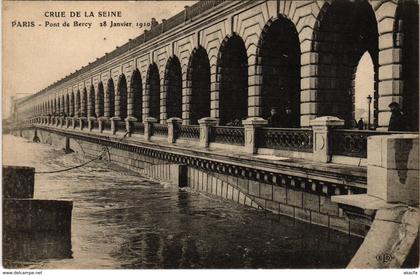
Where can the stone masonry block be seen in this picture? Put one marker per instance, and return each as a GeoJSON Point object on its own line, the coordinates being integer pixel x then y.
{"type": "Point", "coordinates": [302, 214]}
{"type": "Point", "coordinates": [339, 224]}
{"type": "Point", "coordinates": [318, 218]}
{"type": "Point", "coordinates": [266, 191]}
{"type": "Point", "coordinates": [287, 210]}
{"type": "Point", "coordinates": [272, 205]}
{"type": "Point", "coordinates": [311, 201]}
{"type": "Point", "coordinates": [243, 185]}
{"type": "Point", "coordinates": [279, 194]}
{"type": "Point", "coordinates": [294, 197]}
{"type": "Point", "coordinates": [327, 206]}
{"type": "Point", "coordinates": [254, 188]}
{"type": "Point", "coordinates": [394, 151]}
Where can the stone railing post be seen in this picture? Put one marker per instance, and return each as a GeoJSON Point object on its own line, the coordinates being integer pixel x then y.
{"type": "Point", "coordinates": [205, 127]}
{"type": "Point", "coordinates": [91, 120]}
{"type": "Point", "coordinates": [68, 122]}
{"type": "Point", "coordinates": [129, 124]}
{"type": "Point", "coordinates": [83, 122]}
{"type": "Point", "coordinates": [61, 121]}
{"type": "Point", "coordinates": [114, 127]}
{"type": "Point", "coordinates": [251, 126]}
{"type": "Point", "coordinates": [393, 168]}
{"type": "Point", "coordinates": [100, 123]}
{"type": "Point", "coordinates": [148, 127]}
{"type": "Point", "coordinates": [322, 127]}
{"type": "Point", "coordinates": [173, 125]}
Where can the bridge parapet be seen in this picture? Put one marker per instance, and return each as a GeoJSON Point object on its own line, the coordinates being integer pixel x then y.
{"type": "Point", "coordinates": [325, 142]}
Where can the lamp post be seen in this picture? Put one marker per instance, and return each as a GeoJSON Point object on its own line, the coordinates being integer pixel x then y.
{"type": "Point", "coordinates": [369, 99]}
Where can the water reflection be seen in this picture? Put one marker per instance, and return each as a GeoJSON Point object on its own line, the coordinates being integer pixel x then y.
{"type": "Point", "coordinates": [121, 220]}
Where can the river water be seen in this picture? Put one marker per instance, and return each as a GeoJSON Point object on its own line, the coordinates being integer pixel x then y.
{"type": "Point", "coordinates": [121, 220]}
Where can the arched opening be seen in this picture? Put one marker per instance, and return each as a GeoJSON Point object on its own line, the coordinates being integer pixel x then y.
{"type": "Point", "coordinates": [84, 104]}
{"type": "Point", "coordinates": [347, 30]}
{"type": "Point", "coordinates": [67, 110]}
{"type": "Point", "coordinates": [406, 36]}
{"type": "Point", "coordinates": [199, 77]}
{"type": "Point", "coordinates": [110, 99]}
{"type": "Point", "coordinates": [72, 105]}
{"type": "Point", "coordinates": [100, 100]}
{"type": "Point", "coordinates": [153, 85]}
{"type": "Point", "coordinates": [364, 88]}
{"type": "Point", "coordinates": [136, 93]}
{"type": "Point", "coordinates": [233, 75]}
{"type": "Point", "coordinates": [173, 85]}
{"type": "Point", "coordinates": [91, 103]}
{"type": "Point", "coordinates": [279, 52]}
{"type": "Point", "coordinates": [57, 106]}
{"type": "Point", "coordinates": [77, 106]}
{"type": "Point", "coordinates": [63, 105]}
{"type": "Point", "coordinates": [121, 102]}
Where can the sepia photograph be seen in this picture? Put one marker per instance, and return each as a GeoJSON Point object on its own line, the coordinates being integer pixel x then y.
{"type": "Point", "coordinates": [210, 134]}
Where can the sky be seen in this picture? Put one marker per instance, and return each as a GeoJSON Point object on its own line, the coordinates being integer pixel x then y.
{"type": "Point", "coordinates": [35, 57]}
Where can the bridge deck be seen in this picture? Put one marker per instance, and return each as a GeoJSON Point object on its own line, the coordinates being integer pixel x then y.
{"type": "Point", "coordinates": [349, 175]}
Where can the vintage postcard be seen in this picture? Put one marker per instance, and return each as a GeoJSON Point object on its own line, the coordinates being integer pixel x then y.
{"type": "Point", "coordinates": [269, 134]}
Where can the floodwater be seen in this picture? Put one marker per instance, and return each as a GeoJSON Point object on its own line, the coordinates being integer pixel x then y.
{"type": "Point", "coordinates": [121, 220]}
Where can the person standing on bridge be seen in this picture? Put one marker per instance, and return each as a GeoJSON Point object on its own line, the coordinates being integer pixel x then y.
{"type": "Point", "coordinates": [275, 119]}
{"type": "Point", "coordinates": [397, 120]}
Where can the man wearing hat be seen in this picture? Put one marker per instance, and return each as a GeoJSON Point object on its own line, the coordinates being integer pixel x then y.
{"type": "Point", "coordinates": [397, 120]}
{"type": "Point", "coordinates": [275, 119]}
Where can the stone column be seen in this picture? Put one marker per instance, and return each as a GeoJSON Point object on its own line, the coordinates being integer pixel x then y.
{"type": "Point", "coordinates": [321, 127]}
{"type": "Point", "coordinates": [205, 127]}
{"type": "Point", "coordinates": [129, 124]}
{"type": "Point", "coordinates": [393, 168]}
{"type": "Point", "coordinates": [173, 125]}
{"type": "Point", "coordinates": [251, 126]}
{"type": "Point", "coordinates": [148, 127]}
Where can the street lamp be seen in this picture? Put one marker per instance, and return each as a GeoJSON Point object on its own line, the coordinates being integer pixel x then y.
{"type": "Point", "coordinates": [369, 99]}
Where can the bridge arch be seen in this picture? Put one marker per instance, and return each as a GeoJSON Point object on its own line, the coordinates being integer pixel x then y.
{"type": "Point", "coordinates": [91, 102]}
{"type": "Point", "coordinates": [172, 88]}
{"type": "Point", "coordinates": [153, 91]}
{"type": "Point", "coordinates": [278, 60]}
{"type": "Point", "coordinates": [198, 77]}
{"type": "Point", "coordinates": [99, 103]}
{"type": "Point", "coordinates": [109, 102]}
{"type": "Point", "coordinates": [135, 96]}
{"type": "Point", "coordinates": [232, 70]}
{"type": "Point", "coordinates": [121, 98]}
{"type": "Point", "coordinates": [406, 38]}
{"type": "Point", "coordinates": [344, 31]}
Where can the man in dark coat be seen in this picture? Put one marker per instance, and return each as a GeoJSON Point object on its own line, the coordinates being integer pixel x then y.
{"type": "Point", "coordinates": [275, 119]}
{"type": "Point", "coordinates": [288, 119]}
{"type": "Point", "coordinates": [397, 120]}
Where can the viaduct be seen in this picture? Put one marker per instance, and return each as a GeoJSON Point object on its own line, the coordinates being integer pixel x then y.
{"type": "Point", "coordinates": [162, 104]}
{"type": "Point", "coordinates": [236, 59]}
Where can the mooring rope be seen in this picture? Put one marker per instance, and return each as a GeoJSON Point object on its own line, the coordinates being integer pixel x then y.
{"type": "Point", "coordinates": [104, 148]}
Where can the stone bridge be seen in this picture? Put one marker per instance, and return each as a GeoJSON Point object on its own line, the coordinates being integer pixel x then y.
{"type": "Point", "coordinates": [236, 59]}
